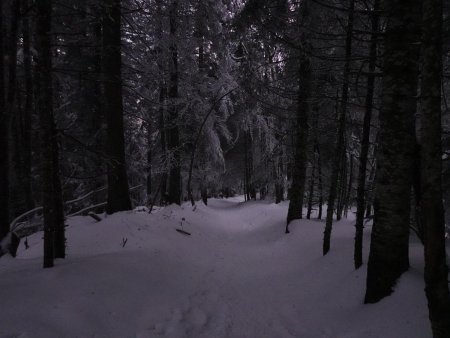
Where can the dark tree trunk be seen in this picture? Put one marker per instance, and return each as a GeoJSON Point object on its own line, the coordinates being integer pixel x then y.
{"type": "Point", "coordinates": [204, 193]}
{"type": "Point", "coordinates": [371, 187]}
{"type": "Point", "coordinates": [279, 179]}
{"type": "Point", "coordinates": [278, 167]}
{"type": "Point", "coordinates": [342, 184]}
{"type": "Point", "coordinates": [59, 238]}
{"type": "Point", "coordinates": [27, 112]}
{"type": "Point", "coordinates": [4, 144]}
{"type": "Point", "coordinates": [388, 257]}
{"type": "Point", "coordinates": [365, 141]}
{"type": "Point", "coordinates": [319, 176]}
{"type": "Point", "coordinates": [348, 194]}
{"type": "Point", "coordinates": [311, 189]}
{"type": "Point", "coordinates": [162, 126]}
{"type": "Point", "coordinates": [16, 198]}
{"type": "Point", "coordinates": [319, 215]}
{"type": "Point", "coordinates": [299, 171]}
{"type": "Point", "coordinates": [49, 174]}
{"type": "Point", "coordinates": [162, 106]}
{"type": "Point", "coordinates": [436, 270]}
{"type": "Point", "coordinates": [341, 131]}
{"type": "Point", "coordinates": [248, 158]}
{"type": "Point", "coordinates": [118, 194]}
{"type": "Point", "coordinates": [305, 84]}
{"type": "Point", "coordinates": [247, 178]}
{"type": "Point", "coordinates": [416, 213]}
{"type": "Point", "coordinates": [92, 96]}
{"type": "Point", "coordinates": [173, 128]}
{"type": "Point", "coordinates": [279, 192]}
{"type": "Point", "coordinates": [149, 161]}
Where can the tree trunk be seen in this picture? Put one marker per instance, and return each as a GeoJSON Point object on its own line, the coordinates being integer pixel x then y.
{"type": "Point", "coordinates": [47, 127]}
{"type": "Point", "coordinates": [163, 136]}
{"type": "Point", "coordinates": [319, 174]}
{"type": "Point", "coordinates": [204, 193]}
{"type": "Point", "coordinates": [93, 90]}
{"type": "Point", "coordinates": [388, 257]}
{"type": "Point", "coordinates": [251, 194]}
{"type": "Point", "coordinates": [436, 270]}
{"type": "Point", "coordinates": [92, 96]}
{"type": "Point", "coordinates": [279, 192]}
{"type": "Point", "coordinates": [16, 198]}
{"type": "Point", "coordinates": [4, 144]}
{"type": "Point", "coordinates": [246, 184]}
{"type": "Point", "coordinates": [311, 189]}
{"type": "Point", "coordinates": [341, 131]}
{"type": "Point", "coordinates": [118, 194]}
{"type": "Point", "coordinates": [279, 179]}
{"type": "Point", "coordinates": [299, 171]}
{"type": "Point", "coordinates": [173, 132]}
{"type": "Point", "coordinates": [149, 160]}
{"type": "Point", "coordinates": [342, 184]}
{"type": "Point", "coordinates": [371, 186]}
{"type": "Point", "coordinates": [305, 84]}
{"type": "Point", "coordinates": [365, 141]}
{"type": "Point", "coordinates": [348, 195]}
{"type": "Point", "coordinates": [58, 205]}
{"type": "Point", "coordinates": [162, 106]}
{"type": "Point", "coordinates": [28, 111]}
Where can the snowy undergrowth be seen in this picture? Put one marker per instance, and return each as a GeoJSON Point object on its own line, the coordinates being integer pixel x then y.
{"type": "Point", "coordinates": [237, 275]}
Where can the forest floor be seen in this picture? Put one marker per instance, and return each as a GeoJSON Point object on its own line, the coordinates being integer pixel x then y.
{"type": "Point", "coordinates": [237, 275]}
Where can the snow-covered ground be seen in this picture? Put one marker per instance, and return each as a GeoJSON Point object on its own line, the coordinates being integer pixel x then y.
{"type": "Point", "coordinates": [237, 275]}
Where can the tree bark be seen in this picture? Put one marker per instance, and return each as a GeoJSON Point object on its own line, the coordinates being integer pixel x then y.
{"type": "Point", "coordinates": [47, 128]}
{"type": "Point", "coordinates": [28, 111]}
{"type": "Point", "coordinates": [433, 221]}
{"type": "Point", "coordinates": [311, 189]}
{"type": "Point", "coordinates": [251, 193]}
{"type": "Point", "coordinates": [4, 144]}
{"type": "Point", "coordinates": [348, 194]}
{"type": "Point", "coordinates": [149, 160]}
{"type": "Point", "coordinates": [299, 171]}
{"type": "Point", "coordinates": [173, 128]}
{"type": "Point", "coordinates": [118, 194]}
{"type": "Point", "coordinates": [365, 141]}
{"type": "Point", "coordinates": [16, 198]}
{"type": "Point", "coordinates": [342, 183]}
{"type": "Point", "coordinates": [319, 172]}
{"type": "Point", "coordinates": [163, 139]}
{"type": "Point", "coordinates": [341, 131]}
{"type": "Point", "coordinates": [305, 84]}
{"type": "Point", "coordinates": [388, 257]}
{"type": "Point", "coordinates": [58, 205]}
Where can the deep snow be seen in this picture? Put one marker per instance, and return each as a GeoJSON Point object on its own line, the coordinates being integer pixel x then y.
{"type": "Point", "coordinates": [237, 275]}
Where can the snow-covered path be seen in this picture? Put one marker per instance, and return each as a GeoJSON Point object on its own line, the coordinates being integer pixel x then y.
{"type": "Point", "coordinates": [238, 275]}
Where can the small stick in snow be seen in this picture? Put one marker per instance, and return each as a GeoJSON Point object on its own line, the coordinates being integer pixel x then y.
{"type": "Point", "coordinates": [182, 231]}
{"type": "Point", "coordinates": [94, 216]}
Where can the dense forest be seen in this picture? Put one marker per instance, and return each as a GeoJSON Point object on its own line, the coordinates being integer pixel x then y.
{"type": "Point", "coordinates": [339, 107]}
